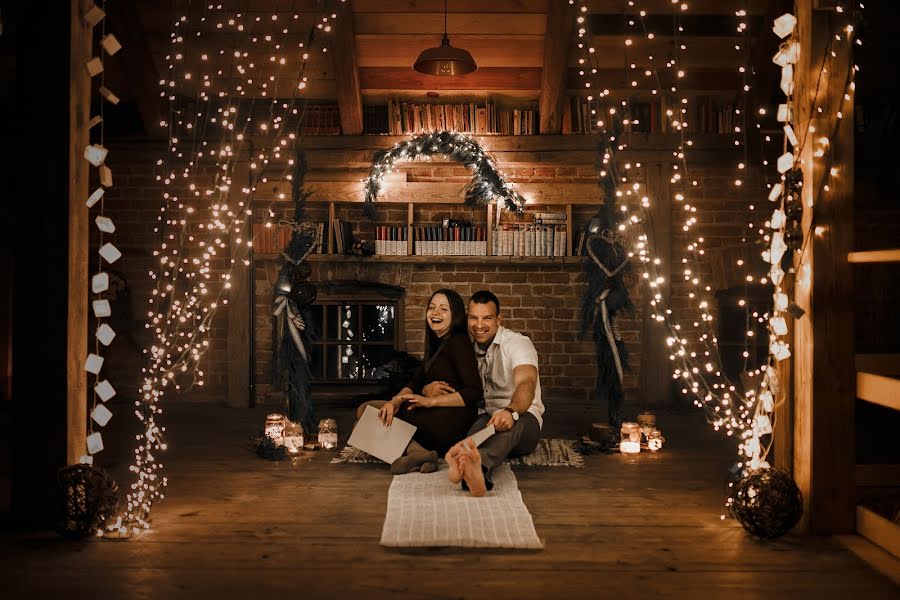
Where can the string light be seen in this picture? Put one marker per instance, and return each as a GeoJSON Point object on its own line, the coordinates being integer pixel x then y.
{"type": "Point", "coordinates": [205, 211]}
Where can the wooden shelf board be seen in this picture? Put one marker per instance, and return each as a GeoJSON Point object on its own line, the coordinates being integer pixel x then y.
{"type": "Point", "coordinates": [878, 530]}
{"type": "Point", "coordinates": [875, 256]}
{"type": "Point", "coordinates": [569, 261]}
{"type": "Point", "coordinates": [878, 389]}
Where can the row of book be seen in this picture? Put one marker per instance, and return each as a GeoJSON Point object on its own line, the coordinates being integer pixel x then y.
{"type": "Point", "coordinates": [450, 241]}
{"type": "Point", "coordinates": [320, 119]}
{"type": "Point", "coordinates": [411, 118]}
{"type": "Point", "coordinates": [391, 240]}
{"type": "Point", "coordinates": [577, 116]}
{"type": "Point", "coordinates": [273, 239]}
{"type": "Point", "coordinates": [522, 239]}
{"type": "Point", "coordinates": [704, 115]}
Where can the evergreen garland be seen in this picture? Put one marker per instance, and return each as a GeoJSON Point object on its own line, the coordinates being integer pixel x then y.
{"type": "Point", "coordinates": [293, 296]}
{"type": "Point", "coordinates": [608, 274]}
{"type": "Point", "coordinates": [487, 183]}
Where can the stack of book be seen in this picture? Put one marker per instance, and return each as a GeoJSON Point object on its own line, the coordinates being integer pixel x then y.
{"type": "Point", "coordinates": [541, 234]}
{"type": "Point", "coordinates": [450, 241]}
{"type": "Point", "coordinates": [343, 237]}
{"type": "Point", "coordinates": [391, 240]}
{"type": "Point", "coordinates": [577, 116]}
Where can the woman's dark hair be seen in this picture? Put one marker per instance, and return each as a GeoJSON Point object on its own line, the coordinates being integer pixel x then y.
{"type": "Point", "coordinates": [457, 321]}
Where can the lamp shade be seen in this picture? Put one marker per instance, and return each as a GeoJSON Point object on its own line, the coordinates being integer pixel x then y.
{"type": "Point", "coordinates": [445, 61]}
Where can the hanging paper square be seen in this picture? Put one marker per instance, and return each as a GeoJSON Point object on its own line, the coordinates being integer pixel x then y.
{"type": "Point", "coordinates": [86, 459]}
{"type": "Point", "coordinates": [105, 334]}
{"type": "Point", "coordinates": [100, 283]}
{"type": "Point", "coordinates": [94, 66]}
{"type": "Point", "coordinates": [775, 192]}
{"type": "Point", "coordinates": [109, 95]}
{"type": "Point", "coordinates": [110, 44]}
{"type": "Point", "coordinates": [102, 309]}
{"type": "Point", "coordinates": [105, 176]}
{"type": "Point", "coordinates": [787, 79]}
{"type": "Point", "coordinates": [784, 113]}
{"type": "Point", "coordinates": [791, 136]}
{"type": "Point", "coordinates": [110, 253]}
{"type": "Point", "coordinates": [93, 364]}
{"type": "Point", "coordinates": [95, 197]}
{"type": "Point", "coordinates": [784, 25]}
{"type": "Point", "coordinates": [95, 154]}
{"type": "Point", "coordinates": [95, 443]}
{"type": "Point", "coordinates": [785, 162]}
{"type": "Point", "coordinates": [779, 325]}
{"type": "Point", "coordinates": [105, 224]}
{"type": "Point", "coordinates": [104, 390]}
{"type": "Point", "coordinates": [778, 220]}
{"type": "Point", "coordinates": [94, 15]}
{"type": "Point", "coordinates": [101, 415]}
{"type": "Point", "coordinates": [781, 301]}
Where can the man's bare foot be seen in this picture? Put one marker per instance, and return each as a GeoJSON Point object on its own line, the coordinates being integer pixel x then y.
{"type": "Point", "coordinates": [470, 461]}
{"type": "Point", "coordinates": [452, 458]}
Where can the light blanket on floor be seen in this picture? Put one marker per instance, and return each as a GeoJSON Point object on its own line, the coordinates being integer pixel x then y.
{"type": "Point", "coordinates": [426, 510]}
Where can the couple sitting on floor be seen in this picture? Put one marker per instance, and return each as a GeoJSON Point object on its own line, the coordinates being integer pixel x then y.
{"type": "Point", "coordinates": [487, 375]}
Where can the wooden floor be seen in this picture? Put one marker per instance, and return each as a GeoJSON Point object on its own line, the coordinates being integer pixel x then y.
{"type": "Point", "coordinates": [234, 525]}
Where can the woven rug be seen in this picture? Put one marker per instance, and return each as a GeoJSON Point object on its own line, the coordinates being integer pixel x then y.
{"type": "Point", "coordinates": [429, 511]}
{"type": "Point", "coordinates": [549, 453]}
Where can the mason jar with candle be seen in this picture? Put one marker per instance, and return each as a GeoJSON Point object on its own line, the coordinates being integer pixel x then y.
{"type": "Point", "coordinates": [630, 438]}
{"type": "Point", "coordinates": [328, 437]}
{"type": "Point", "coordinates": [274, 426]}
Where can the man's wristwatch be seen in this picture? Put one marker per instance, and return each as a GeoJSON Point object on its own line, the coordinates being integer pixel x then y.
{"type": "Point", "coordinates": [514, 414]}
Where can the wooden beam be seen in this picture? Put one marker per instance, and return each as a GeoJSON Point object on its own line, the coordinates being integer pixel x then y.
{"type": "Point", "coordinates": [878, 389]}
{"type": "Point", "coordinates": [457, 6]}
{"type": "Point", "coordinates": [449, 193]}
{"type": "Point", "coordinates": [76, 334]}
{"type": "Point", "coordinates": [825, 379]}
{"type": "Point", "coordinates": [489, 78]}
{"type": "Point", "coordinates": [433, 23]}
{"type": "Point", "coordinates": [346, 72]}
{"type": "Point", "coordinates": [139, 68]}
{"type": "Point", "coordinates": [878, 530]}
{"type": "Point", "coordinates": [557, 41]}
{"type": "Point", "coordinates": [875, 256]}
{"type": "Point", "coordinates": [489, 50]}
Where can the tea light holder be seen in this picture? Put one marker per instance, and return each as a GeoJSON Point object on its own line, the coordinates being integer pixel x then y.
{"type": "Point", "coordinates": [328, 437]}
{"type": "Point", "coordinates": [655, 440]}
{"type": "Point", "coordinates": [274, 430]}
{"type": "Point", "coordinates": [630, 440]}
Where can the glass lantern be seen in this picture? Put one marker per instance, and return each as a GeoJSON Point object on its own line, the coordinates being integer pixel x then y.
{"type": "Point", "coordinates": [328, 437]}
{"type": "Point", "coordinates": [647, 423]}
{"type": "Point", "coordinates": [655, 440]}
{"type": "Point", "coordinates": [630, 440]}
{"type": "Point", "coordinates": [274, 430]}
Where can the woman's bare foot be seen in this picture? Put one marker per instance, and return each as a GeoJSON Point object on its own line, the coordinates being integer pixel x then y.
{"type": "Point", "coordinates": [452, 458]}
{"type": "Point", "coordinates": [410, 462]}
{"type": "Point", "coordinates": [470, 462]}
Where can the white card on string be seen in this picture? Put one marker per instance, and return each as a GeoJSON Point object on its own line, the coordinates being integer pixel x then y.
{"type": "Point", "coordinates": [102, 309]}
{"type": "Point", "coordinates": [95, 443]}
{"type": "Point", "coordinates": [108, 94]}
{"type": "Point", "coordinates": [101, 415]}
{"type": "Point", "coordinates": [105, 224]}
{"type": "Point", "coordinates": [105, 334]}
{"type": "Point", "coordinates": [93, 364]}
{"type": "Point", "coordinates": [110, 253]}
{"type": "Point", "coordinates": [100, 283]}
{"type": "Point", "coordinates": [95, 197]}
{"type": "Point", "coordinates": [104, 390]}
{"type": "Point", "coordinates": [95, 154]}
{"type": "Point", "coordinates": [87, 459]}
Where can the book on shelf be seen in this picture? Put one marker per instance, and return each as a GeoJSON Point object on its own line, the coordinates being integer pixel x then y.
{"type": "Point", "coordinates": [320, 119]}
{"type": "Point", "coordinates": [529, 239]}
{"type": "Point", "coordinates": [343, 236]}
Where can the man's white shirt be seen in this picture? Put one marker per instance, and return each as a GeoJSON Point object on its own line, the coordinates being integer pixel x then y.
{"type": "Point", "coordinates": [507, 351]}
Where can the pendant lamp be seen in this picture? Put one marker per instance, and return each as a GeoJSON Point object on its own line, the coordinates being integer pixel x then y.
{"type": "Point", "coordinates": [445, 60]}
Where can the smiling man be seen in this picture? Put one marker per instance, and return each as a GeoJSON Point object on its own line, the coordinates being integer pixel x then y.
{"type": "Point", "coordinates": [508, 365]}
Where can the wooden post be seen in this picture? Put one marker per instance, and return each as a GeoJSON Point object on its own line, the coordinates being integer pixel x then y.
{"type": "Point", "coordinates": [76, 335]}
{"type": "Point", "coordinates": [557, 40]}
{"type": "Point", "coordinates": [346, 72]}
{"type": "Point", "coordinates": [824, 377]}
{"type": "Point", "coordinates": [239, 326]}
{"type": "Point", "coordinates": [655, 365]}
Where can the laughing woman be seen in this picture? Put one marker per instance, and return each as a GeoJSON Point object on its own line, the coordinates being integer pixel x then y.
{"type": "Point", "coordinates": [443, 397]}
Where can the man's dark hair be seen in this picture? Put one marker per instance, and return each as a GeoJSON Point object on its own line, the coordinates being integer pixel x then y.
{"type": "Point", "coordinates": [485, 297]}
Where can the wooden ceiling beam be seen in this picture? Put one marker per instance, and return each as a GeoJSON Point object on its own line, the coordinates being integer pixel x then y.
{"type": "Point", "coordinates": [557, 41]}
{"type": "Point", "coordinates": [433, 24]}
{"type": "Point", "coordinates": [346, 72]}
{"type": "Point", "coordinates": [489, 78]}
